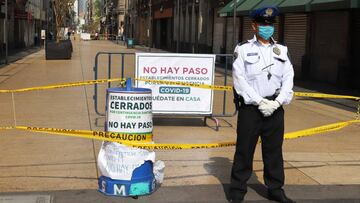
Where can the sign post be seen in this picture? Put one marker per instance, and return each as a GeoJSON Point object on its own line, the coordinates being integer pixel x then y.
{"type": "Point", "coordinates": [43, 37]}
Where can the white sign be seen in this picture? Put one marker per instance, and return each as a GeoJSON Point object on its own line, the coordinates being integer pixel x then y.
{"type": "Point", "coordinates": [43, 34]}
{"type": "Point", "coordinates": [189, 68]}
{"type": "Point", "coordinates": [129, 113]}
{"type": "Point", "coordinates": [85, 36]}
{"type": "Point", "coordinates": [118, 161]}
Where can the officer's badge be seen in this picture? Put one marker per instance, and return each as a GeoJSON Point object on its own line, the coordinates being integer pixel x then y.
{"type": "Point", "coordinates": [269, 12]}
{"type": "Point", "coordinates": [277, 51]}
{"type": "Point", "coordinates": [235, 55]}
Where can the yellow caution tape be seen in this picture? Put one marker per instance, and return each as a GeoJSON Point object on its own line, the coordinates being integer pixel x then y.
{"type": "Point", "coordinates": [213, 87]}
{"type": "Point", "coordinates": [72, 84]}
{"type": "Point", "coordinates": [172, 146]}
{"type": "Point", "coordinates": [324, 96]}
{"type": "Point", "coordinates": [292, 135]}
{"type": "Point", "coordinates": [358, 111]}
{"type": "Point", "coordinates": [318, 130]}
{"type": "Point", "coordinates": [6, 128]}
{"type": "Point", "coordinates": [98, 135]}
{"type": "Point", "coordinates": [167, 82]}
{"type": "Point", "coordinates": [137, 140]}
{"type": "Point", "coordinates": [230, 88]}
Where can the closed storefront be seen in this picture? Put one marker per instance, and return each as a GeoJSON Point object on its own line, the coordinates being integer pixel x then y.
{"type": "Point", "coordinates": [329, 46]}
{"type": "Point", "coordinates": [163, 28]}
{"type": "Point", "coordinates": [295, 27]}
{"type": "Point", "coordinates": [163, 34]}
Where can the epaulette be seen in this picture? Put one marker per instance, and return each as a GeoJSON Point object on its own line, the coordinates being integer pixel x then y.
{"type": "Point", "coordinates": [242, 43]}
{"type": "Point", "coordinates": [280, 43]}
{"type": "Point", "coordinates": [273, 41]}
{"type": "Point", "coordinates": [283, 44]}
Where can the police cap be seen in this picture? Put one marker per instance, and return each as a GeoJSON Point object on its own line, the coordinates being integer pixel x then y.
{"type": "Point", "coordinates": [265, 14]}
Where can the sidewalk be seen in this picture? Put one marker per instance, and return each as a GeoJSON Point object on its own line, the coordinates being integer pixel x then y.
{"type": "Point", "coordinates": [320, 168]}
{"type": "Point", "coordinates": [19, 54]}
{"type": "Point", "coordinates": [199, 194]}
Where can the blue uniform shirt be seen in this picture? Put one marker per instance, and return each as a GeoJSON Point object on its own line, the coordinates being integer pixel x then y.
{"type": "Point", "coordinates": [262, 70]}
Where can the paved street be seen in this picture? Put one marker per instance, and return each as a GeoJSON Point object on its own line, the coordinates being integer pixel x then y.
{"type": "Point", "coordinates": [320, 168]}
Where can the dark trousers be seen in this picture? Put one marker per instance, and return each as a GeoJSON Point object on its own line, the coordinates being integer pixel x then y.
{"type": "Point", "coordinates": [250, 125]}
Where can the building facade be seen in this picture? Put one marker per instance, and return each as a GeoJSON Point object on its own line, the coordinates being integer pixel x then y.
{"type": "Point", "coordinates": [322, 36]}
{"type": "Point", "coordinates": [26, 18]}
{"type": "Point", "coordinates": [174, 25]}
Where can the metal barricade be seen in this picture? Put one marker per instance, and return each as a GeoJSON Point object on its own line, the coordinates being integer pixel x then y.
{"type": "Point", "coordinates": [223, 65]}
{"type": "Point", "coordinates": [109, 67]}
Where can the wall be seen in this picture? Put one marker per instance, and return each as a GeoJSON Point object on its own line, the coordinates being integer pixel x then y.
{"type": "Point", "coordinates": [218, 37]}
{"type": "Point", "coordinates": [230, 43]}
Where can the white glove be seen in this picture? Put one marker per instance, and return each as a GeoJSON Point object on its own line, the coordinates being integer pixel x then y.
{"type": "Point", "coordinates": [267, 107]}
{"type": "Point", "coordinates": [275, 104]}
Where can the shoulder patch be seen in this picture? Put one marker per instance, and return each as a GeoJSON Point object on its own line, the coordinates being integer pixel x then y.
{"type": "Point", "coordinates": [235, 55]}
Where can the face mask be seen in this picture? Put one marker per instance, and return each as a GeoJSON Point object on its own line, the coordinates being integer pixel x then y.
{"type": "Point", "coordinates": [266, 31]}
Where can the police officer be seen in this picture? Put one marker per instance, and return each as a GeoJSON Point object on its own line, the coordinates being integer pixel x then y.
{"type": "Point", "coordinates": [263, 82]}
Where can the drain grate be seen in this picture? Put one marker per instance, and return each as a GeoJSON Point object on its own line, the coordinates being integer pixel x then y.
{"type": "Point", "coordinates": [25, 199]}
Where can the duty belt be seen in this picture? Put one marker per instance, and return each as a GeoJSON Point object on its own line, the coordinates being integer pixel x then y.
{"type": "Point", "coordinates": [239, 100]}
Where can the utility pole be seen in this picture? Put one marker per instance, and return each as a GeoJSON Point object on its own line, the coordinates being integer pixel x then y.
{"type": "Point", "coordinates": [234, 23]}
{"type": "Point", "coordinates": [178, 34]}
{"type": "Point", "coordinates": [6, 32]}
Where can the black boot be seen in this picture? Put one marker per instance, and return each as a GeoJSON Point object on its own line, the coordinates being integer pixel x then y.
{"type": "Point", "coordinates": [279, 196]}
{"type": "Point", "coordinates": [239, 198]}
{"type": "Point", "coordinates": [236, 200]}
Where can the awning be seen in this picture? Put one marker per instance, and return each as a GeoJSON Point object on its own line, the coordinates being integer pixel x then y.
{"type": "Point", "coordinates": [247, 6]}
{"type": "Point", "coordinates": [321, 5]}
{"type": "Point", "coordinates": [228, 10]}
{"type": "Point", "coordinates": [295, 6]}
{"type": "Point", "coordinates": [286, 6]}
{"type": "Point", "coordinates": [268, 3]}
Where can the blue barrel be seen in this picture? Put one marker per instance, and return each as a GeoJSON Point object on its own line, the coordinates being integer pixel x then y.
{"type": "Point", "coordinates": [129, 110]}
{"type": "Point", "coordinates": [142, 183]}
